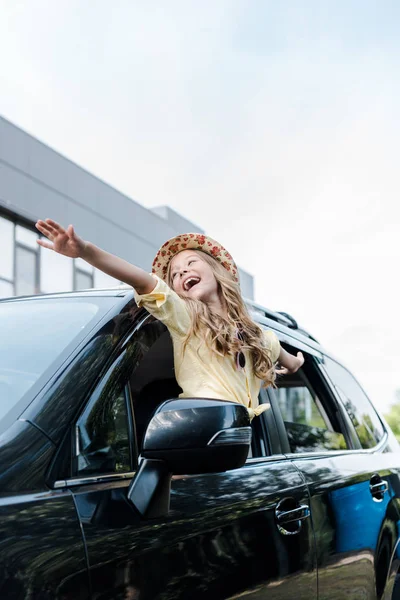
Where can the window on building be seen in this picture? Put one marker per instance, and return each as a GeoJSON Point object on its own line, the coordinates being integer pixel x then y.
{"type": "Point", "coordinates": [56, 272]}
{"type": "Point", "coordinates": [102, 280]}
{"type": "Point", "coordinates": [26, 277]}
{"type": "Point", "coordinates": [83, 274]}
{"type": "Point", "coordinates": [83, 280]}
{"type": "Point", "coordinates": [26, 268]}
{"type": "Point", "coordinates": [26, 237]}
{"type": "Point", "coordinates": [26, 261]}
{"type": "Point", "coordinates": [362, 414]}
{"type": "Point", "coordinates": [6, 257]}
{"type": "Point", "coordinates": [6, 289]}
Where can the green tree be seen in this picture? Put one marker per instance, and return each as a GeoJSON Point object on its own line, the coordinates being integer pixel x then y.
{"type": "Point", "coordinates": [393, 416]}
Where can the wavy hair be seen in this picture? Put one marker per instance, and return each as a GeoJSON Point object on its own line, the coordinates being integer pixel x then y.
{"type": "Point", "coordinates": [219, 333]}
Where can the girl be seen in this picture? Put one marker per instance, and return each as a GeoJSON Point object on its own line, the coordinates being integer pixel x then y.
{"type": "Point", "coordinates": [219, 351]}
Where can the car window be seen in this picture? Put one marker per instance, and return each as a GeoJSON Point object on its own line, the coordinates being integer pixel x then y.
{"type": "Point", "coordinates": [259, 435]}
{"type": "Point", "coordinates": [309, 420]}
{"type": "Point", "coordinates": [103, 439]}
{"type": "Point", "coordinates": [153, 377]}
{"type": "Point", "coordinates": [109, 432]}
{"type": "Point", "coordinates": [153, 380]}
{"type": "Point", "coordinates": [360, 410]}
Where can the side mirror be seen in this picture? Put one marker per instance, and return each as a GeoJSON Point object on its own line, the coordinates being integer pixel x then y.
{"type": "Point", "coordinates": [188, 436]}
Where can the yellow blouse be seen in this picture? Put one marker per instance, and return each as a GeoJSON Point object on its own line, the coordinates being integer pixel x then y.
{"type": "Point", "coordinates": [200, 372]}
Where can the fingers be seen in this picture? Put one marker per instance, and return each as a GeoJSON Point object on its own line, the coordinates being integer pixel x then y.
{"type": "Point", "coordinates": [301, 358]}
{"type": "Point", "coordinates": [71, 232]}
{"type": "Point", "coordinates": [282, 371]}
{"type": "Point", "coordinates": [55, 226]}
{"type": "Point", "coordinates": [44, 229]}
{"type": "Point", "coordinates": [50, 228]}
{"type": "Point", "coordinates": [46, 244]}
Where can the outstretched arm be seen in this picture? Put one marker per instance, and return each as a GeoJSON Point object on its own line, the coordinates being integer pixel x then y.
{"type": "Point", "coordinates": [289, 363]}
{"type": "Point", "coordinates": [66, 242]}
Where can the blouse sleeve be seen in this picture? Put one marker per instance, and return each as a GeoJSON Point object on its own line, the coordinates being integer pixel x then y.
{"type": "Point", "coordinates": [164, 304]}
{"type": "Point", "coordinates": [273, 344]}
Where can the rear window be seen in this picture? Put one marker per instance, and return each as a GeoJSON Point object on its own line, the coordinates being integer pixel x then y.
{"type": "Point", "coordinates": [365, 420]}
{"type": "Point", "coordinates": [33, 336]}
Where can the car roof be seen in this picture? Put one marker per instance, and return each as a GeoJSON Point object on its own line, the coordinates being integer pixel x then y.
{"type": "Point", "coordinates": [118, 291]}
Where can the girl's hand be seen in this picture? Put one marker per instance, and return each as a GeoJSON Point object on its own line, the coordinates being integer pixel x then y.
{"type": "Point", "coordinates": [63, 241]}
{"type": "Point", "coordinates": [290, 363]}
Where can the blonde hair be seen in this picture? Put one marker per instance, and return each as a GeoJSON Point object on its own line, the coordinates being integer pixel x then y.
{"type": "Point", "coordinates": [217, 331]}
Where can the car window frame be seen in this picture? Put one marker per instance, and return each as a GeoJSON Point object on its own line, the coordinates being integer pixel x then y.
{"type": "Point", "coordinates": [77, 479]}
{"type": "Point", "coordinates": [129, 338]}
{"type": "Point", "coordinates": [95, 397]}
{"type": "Point", "coordinates": [347, 427]}
{"type": "Point", "coordinates": [346, 415]}
{"type": "Point", "coordinates": [121, 355]}
{"type": "Point", "coordinates": [271, 427]}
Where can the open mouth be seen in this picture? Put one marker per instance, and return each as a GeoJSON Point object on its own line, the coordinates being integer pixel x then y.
{"type": "Point", "coordinates": [190, 283]}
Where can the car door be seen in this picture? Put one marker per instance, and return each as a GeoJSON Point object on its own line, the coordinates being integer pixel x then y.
{"type": "Point", "coordinates": [42, 553]}
{"type": "Point", "coordinates": [353, 482]}
{"type": "Point", "coordinates": [245, 531]}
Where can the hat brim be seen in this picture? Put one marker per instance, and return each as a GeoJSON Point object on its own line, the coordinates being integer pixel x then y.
{"type": "Point", "coordinates": [192, 241]}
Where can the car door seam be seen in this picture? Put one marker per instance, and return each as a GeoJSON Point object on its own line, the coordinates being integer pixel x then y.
{"type": "Point", "coordinates": [84, 543]}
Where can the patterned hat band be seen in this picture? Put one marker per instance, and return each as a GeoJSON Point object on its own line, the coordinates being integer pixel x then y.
{"type": "Point", "coordinates": [192, 241]}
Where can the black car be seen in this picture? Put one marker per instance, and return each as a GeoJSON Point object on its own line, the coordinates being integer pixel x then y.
{"type": "Point", "coordinates": [113, 488]}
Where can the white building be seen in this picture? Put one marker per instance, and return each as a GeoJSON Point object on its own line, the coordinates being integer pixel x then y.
{"type": "Point", "coordinates": [37, 182]}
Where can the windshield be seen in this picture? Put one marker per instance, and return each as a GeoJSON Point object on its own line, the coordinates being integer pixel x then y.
{"type": "Point", "coordinates": [33, 334]}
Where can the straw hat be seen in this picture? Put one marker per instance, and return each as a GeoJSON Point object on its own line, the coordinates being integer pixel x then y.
{"type": "Point", "coordinates": [192, 241]}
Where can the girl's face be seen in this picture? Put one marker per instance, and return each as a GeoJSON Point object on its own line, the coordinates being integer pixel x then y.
{"type": "Point", "coordinates": [193, 277]}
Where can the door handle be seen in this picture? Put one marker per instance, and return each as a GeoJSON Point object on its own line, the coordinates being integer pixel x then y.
{"type": "Point", "coordinates": [378, 487]}
{"type": "Point", "coordinates": [297, 514]}
{"type": "Point", "coordinates": [381, 487]}
{"type": "Point", "coordinates": [289, 515]}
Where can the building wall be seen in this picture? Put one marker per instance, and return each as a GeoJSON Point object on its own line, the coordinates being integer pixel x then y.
{"type": "Point", "coordinates": [37, 182]}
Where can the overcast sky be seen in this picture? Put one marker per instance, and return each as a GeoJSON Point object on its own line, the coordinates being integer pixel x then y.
{"type": "Point", "coordinates": [272, 124]}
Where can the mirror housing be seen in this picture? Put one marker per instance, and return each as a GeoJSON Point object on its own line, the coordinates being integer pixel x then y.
{"type": "Point", "coordinates": [188, 436]}
{"type": "Point", "coordinates": [195, 435]}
